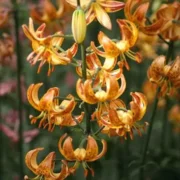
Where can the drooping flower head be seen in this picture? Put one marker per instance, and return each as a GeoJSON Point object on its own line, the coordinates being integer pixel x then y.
{"type": "Point", "coordinates": [52, 112]}
{"type": "Point", "coordinates": [113, 49]}
{"type": "Point", "coordinates": [99, 92]}
{"type": "Point", "coordinates": [81, 155]}
{"type": "Point", "coordinates": [170, 13]}
{"type": "Point", "coordinates": [45, 168]}
{"type": "Point", "coordinates": [118, 120]}
{"type": "Point", "coordinates": [46, 49]}
{"type": "Point", "coordinates": [165, 75]}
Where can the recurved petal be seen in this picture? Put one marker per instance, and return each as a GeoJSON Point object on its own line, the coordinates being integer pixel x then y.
{"type": "Point", "coordinates": [63, 174]}
{"type": "Point", "coordinates": [138, 105]}
{"type": "Point", "coordinates": [91, 149]}
{"type": "Point", "coordinates": [93, 61]}
{"type": "Point", "coordinates": [104, 149]}
{"type": "Point", "coordinates": [67, 149]}
{"type": "Point", "coordinates": [114, 119]}
{"type": "Point", "coordinates": [129, 31]}
{"type": "Point", "coordinates": [85, 91]}
{"type": "Point", "coordinates": [109, 63]}
{"type": "Point", "coordinates": [102, 16]}
{"type": "Point", "coordinates": [66, 106]}
{"type": "Point", "coordinates": [156, 70]}
{"type": "Point", "coordinates": [108, 45]}
{"type": "Point", "coordinates": [31, 159]}
{"type": "Point", "coordinates": [46, 101]}
{"type": "Point", "coordinates": [174, 71]}
{"type": "Point", "coordinates": [46, 166]}
{"type": "Point", "coordinates": [140, 13]}
{"type": "Point", "coordinates": [122, 87]}
{"type": "Point", "coordinates": [32, 95]}
{"type": "Point", "coordinates": [90, 15]}
{"type": "Point", "coordinates": [112, 87]}
{"type": "Point", "coordinates": [129, 6]}
{"type": "Point", "coordinates": [112, 6]}
{"type": "Point", "coordinates": [154, 28]}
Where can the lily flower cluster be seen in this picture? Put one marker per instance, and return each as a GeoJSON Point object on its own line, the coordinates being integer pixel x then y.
{"type": "Point", "coordinates": [100, 84]}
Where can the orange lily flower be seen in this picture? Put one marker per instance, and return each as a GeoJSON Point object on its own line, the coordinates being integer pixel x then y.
{"type": "Point", "coordinates": [135, 11]}
{"type": "Point", "coordinates": [122, 47]}
{"type": "Point", "coordinates": [98, 9]}
{"type": "Point", "coordinates": [44, 170]}
{"type": "Point", "coordinates": [165, 76]}
{"type": "Point", "coordinates": [81, 155]}
{"type": "Point", "coordinates": [94, 93]}
{"type": "Point", "coordinates": [118, 120]}
{"type": "Point", "coordinates": [170, 13]}
{"type": "Point", "coordinates": [45, 49]}
{"type": "Point", "coordinates": [52, 113]}
{"type": "Point", "coordinates": [97, 71]}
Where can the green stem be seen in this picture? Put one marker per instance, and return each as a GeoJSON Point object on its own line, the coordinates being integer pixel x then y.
{"type": "Point", "coordinates": [84, 77]}
{"type": "Point", "coordinates": [147, 140]}
{"type": "Point", "coordinates": [63, 36]}
{"type": "Point", "coordinates": [78, 3]}
{"type": "Point", "coordinates": [164, 126]}
{"type": "Point", "coordinates": [98, 131]}
{"type": "Point", "coordinates": [169, 55]}
{"type": "Point", "coordinates": [19, 91]}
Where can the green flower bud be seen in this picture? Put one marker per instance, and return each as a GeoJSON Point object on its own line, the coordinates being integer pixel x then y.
{"type": "Point", "coordinates": [79, 25]}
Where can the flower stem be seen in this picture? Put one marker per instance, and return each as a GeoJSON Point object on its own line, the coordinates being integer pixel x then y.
{"type": "Point", "coordinates": [19, 91]}
{"type": "Point", "coordinates": [148, 136]}
{"type": "Point", "coordinates": [84, 77]}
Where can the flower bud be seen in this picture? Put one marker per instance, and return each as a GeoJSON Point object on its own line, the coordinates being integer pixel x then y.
{"type": "Point", "coordinates": [79, 25]}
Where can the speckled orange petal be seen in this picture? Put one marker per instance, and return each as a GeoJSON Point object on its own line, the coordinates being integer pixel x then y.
{"type": "Point", "coordinates": [140, 12]}
{"type": "Point", "coordinates": [32, 95]}
{"type": "Point", "coordinates": [93, 61]}
{"type": "Point", "coordinates": [102, 16]}
{"type": "Point", "coordinates": [91, 149]}
{"type": "Point", "coordinates": [114, 119]}
{"type": "Point", "coordinates": [108, 45]}
{"type": "Point", "coordinates": [31, 159]}
{"type": "Point", "coordinates": [174, 71]}
{"type": "Point", "coordinates": [46, 102]}
{"type": "Point", "coordinates": [63, 174]}
{"type": "Point", "coordinates": [129, 31]}
{"type": "Point", "coordinates": [46, 166]}
{"type": "Point", "coordinates": [154, 28]}
{"type": "Point", "coordinates": [66, 106]}
{"type": "Point", "coordinates": [112, 87]}
{"type": "Point", "coordinates": [156, 70]}
{"type": "Point", "coordinates": [128, 7]}
{"type": "Point", "coordinates": [67, 150]}
{"type": "Point", "coordinates": [122, 87]}
{"type": "Point", "coordinates": [85, 91]}
{"type": "Point", "coordinates": [90, 15]}
{"type": "Point", "coordinates": [93, 146]}
{"type": "Point", "coordinates": [112, 6]}
{"type": "Point", "coordinates": [141, 100]}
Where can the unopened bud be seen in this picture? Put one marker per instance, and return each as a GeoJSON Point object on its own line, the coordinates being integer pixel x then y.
{"type": "Point", "coordinates": [79, 25]}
